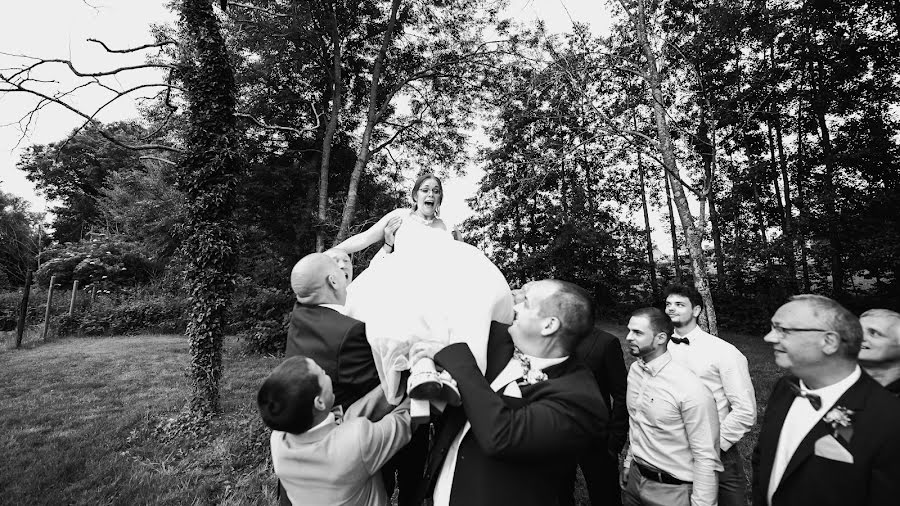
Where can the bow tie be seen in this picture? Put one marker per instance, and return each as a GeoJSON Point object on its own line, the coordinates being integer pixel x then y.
{"type": "Point", "coordinates": [680, 340]}
{"type": "Point", "coordinates": [813, 399]}
{"type": "Point", "coordinates": [338, 412]}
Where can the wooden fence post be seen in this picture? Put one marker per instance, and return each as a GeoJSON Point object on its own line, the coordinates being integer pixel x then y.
{"type": "Point", "coordinates": [74, 296]}
{"type": "Point", "coordinates": [47, 312]}
{"type": "Point", "coordinates": [23, 310]}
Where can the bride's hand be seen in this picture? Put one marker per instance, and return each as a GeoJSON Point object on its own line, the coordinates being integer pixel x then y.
{"type": "Point", "coordinates": [392, 225]}
{"type": "Point", "coordinates": [424, 349]}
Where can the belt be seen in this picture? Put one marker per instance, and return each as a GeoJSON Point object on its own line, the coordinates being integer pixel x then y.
{"type": "Point", "coordinates": [660, 476]}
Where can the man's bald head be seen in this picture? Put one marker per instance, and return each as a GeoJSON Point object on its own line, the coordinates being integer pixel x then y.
{"type": "Point", "coordinates": [317, 279]}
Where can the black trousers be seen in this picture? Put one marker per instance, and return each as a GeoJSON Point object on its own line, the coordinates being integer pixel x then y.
{"type": "Point", "coordinates": [601, 475]}
{"type": "Point", "coordinates": [409, 465]}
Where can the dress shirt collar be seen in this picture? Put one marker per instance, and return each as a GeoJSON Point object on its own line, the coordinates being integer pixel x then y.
{"type": "Point", "coordinates": [540, 363]}
{"type": "Point", "coordinates": [313, 434]}
{"type": "Point", "coordinates": [696, 333]}
{"type": "Point", "coordinates": [657, 364]}
{"type": "Point", "coordinates": [832, 393]}
{"type": "Point", "coordinates": [337, 307]}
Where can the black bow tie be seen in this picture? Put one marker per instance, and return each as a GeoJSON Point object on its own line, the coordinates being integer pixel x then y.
{"type": "Point", "coordinates": [680, 340]}
{"type": "Point", "coordinates": [813, 399]}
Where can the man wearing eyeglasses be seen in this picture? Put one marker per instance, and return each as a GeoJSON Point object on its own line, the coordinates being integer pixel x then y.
{"type": "Point", "coordinates": [829, 437]}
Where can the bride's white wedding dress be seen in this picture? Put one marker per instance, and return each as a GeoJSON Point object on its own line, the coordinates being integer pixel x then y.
{"type": "Point", "coordinates": [431, 287]}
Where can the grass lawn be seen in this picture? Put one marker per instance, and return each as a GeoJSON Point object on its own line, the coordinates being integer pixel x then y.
{"type": "Point", "coordinates": [98, 421]}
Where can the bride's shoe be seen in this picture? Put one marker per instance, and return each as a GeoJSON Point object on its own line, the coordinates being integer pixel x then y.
{"type": "Point", "coordinates": [424, 382]}
{"type": "Point", "coordinates": [424, 385]}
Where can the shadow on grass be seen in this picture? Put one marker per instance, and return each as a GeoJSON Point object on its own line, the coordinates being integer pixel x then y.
{"type": "Point", "coordinates": [100, 421]}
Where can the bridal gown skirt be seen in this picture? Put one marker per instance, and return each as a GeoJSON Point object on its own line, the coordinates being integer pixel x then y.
{"type": "Point", "coordinates": [445, 293]}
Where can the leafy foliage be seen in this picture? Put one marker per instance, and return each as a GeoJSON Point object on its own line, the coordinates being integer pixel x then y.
{"type": "Point", "coordinates": [76, 170]}
{"type": "Point", "coordinates": [18, 240]}
{"type": "Point", "coordinates": [208, 176]}
{"type": "Point", "coordinates": [112, 261]}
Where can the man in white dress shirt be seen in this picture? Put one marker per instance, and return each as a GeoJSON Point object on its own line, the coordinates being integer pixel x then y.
{"type": "Point", "coordinates": [723, 369]}
{"type": "Point", "coordinates": [674, 427]}
{"type": "Point", "coordinates": [830, 435]}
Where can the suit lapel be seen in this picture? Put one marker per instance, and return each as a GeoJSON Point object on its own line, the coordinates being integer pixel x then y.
{"type": "Point", "coordinates": [776, 412]}
{"type": "Point", "coordinates": [854, 399]}
{"type": "Point", "coordinates": [500, 350]}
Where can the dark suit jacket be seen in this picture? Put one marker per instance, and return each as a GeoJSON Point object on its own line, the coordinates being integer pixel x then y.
{"type": "Point", "coordinates": [338, 344]}
{"type": "Point", "coordinates": [602, 353]}
{"type": "Point", "coordinates": [810, 480]}
{"type": "Point", "coordinates": [517, 450]}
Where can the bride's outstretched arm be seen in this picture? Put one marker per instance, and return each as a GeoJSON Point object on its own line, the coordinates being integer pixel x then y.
{"type": "Point", "coordinates": [369, 236]}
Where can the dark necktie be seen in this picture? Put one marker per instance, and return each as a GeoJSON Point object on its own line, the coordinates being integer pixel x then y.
{"type": "Point", "coordinates": [680, 340]}
{"type": "Point", "coordinates": [813, 399]}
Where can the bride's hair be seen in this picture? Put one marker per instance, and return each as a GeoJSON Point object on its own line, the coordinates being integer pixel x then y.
{"type": "Point", "coordinates": [418, 184]}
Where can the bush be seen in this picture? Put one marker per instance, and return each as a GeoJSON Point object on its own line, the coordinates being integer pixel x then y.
{"type": "Point", "coordinates": [165, 314]}
{"type": "Point", "coordinates": [111, 260]}
{"type": "Point", "coordinates": [252, 305]}
{"type": "Point", "coordinates": [267, 337]}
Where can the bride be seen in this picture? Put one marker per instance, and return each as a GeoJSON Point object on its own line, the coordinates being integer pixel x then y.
{"type": "Point", "coordinates": [428, 287]}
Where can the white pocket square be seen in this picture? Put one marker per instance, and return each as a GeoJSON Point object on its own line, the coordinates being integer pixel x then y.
{"type": "Point", "coordinates": [828, 447]}
{"type": "Point", "coordinates": [513, 390]}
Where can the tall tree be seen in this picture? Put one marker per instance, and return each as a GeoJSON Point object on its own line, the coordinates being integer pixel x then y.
{"type": "Point", "coordinates": [638, 19]}
{"type": "Point", "coordinates": [209, 174]}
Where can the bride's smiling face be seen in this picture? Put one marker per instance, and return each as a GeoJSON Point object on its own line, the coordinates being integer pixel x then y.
{"type": "Point", "coordinates": [428, 197]}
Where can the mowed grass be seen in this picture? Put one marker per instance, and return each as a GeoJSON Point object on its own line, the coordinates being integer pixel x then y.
{"type": "Point", "coordinates": [100, 421]}
{"type": "Point", "coordinates": [763, 372]}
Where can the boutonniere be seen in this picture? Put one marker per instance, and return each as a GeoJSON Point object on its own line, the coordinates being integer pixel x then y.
{"type": "Point", "coordinates": [532, 376]}
{"type": "Point", "coordinates": [841, 420]}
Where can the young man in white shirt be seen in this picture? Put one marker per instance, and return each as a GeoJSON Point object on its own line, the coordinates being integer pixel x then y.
{"type": "Point", "coordinates": [723, 369]}
{"type": "Point", "coordinates": [674, 428]}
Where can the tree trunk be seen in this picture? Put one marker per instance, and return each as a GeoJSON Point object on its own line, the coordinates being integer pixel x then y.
{"type": "Point", "coordinates": [208, 175]}
{"type": "Point", "coordinates": [830, 196]}
{"type": "Point", "coordinates": [336, 94]}
{"type": "Point", "coordinates": [651, 265]}
{"type": "Point", "coordinates": [761, 223]}
{"type": "Point", "coordinates": [667, 150]}
{"type": "Point", "coordinates": [362, 154]}
{"type": "Point", "coordinates": [675, 258]}
{"type": "Point", "coordinates": [788, 227]}
{"type": "Point", "coordinates": [709, 169]}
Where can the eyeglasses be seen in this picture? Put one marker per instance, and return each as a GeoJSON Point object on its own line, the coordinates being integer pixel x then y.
{"type": "Point", "coordinates": [787, 330]}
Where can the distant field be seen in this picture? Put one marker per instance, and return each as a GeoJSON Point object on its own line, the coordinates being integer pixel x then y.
{"type": "Point", "coordinates": [96, 421]}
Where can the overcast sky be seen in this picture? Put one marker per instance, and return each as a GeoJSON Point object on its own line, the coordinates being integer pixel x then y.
{"type": "Point", "coordinates": [59, 29]}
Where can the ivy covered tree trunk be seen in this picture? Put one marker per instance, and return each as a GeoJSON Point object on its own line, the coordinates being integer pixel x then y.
{"type": "Point", "coordinates": [208, 176]}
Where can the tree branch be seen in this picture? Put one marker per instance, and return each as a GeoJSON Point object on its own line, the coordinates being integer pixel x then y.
{"type": "Point", "coordinates": [262, 124]}
{"type": "Point", "coordinates": [110, 138]}
{"type": "Point", "coordinates": [133, 49]}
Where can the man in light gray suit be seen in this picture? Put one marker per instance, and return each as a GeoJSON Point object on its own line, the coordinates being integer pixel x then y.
{"type": "Point", "coordinates": [320, 459]}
